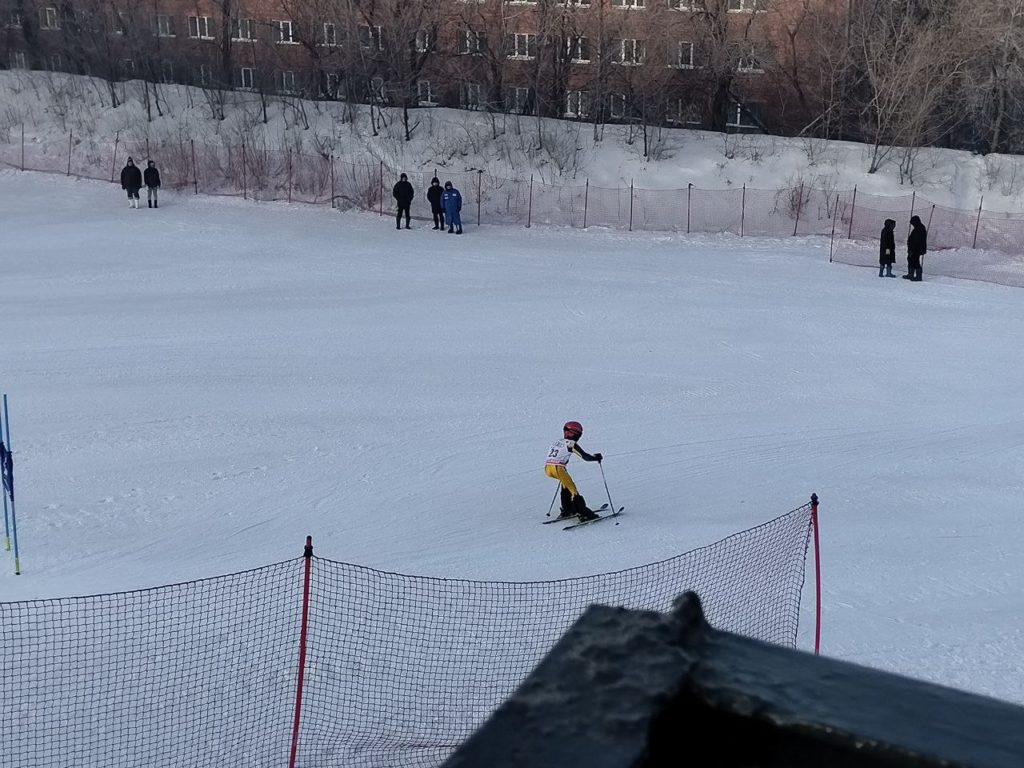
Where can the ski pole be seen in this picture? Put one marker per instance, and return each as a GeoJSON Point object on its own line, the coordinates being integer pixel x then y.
{"type": "Point", "coordinates": [3, 492]}
{"type": "Point", "coordinates": [610, 505]}
{"type": "Point", "coordinates": [552, 504]}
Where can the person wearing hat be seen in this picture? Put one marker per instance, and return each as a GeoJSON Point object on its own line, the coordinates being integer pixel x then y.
{"type": "Point", "coordinates": [887, 249]}
{"type": "Point", "coordinates": [131, 182]}
{"type": "Point", "coordinates": [403, 194]}
{"type": "Point", "coordinates": [573, 503]}
{"type": "Point", "coordinates": [434, 193]}
{"type": "Point", "coordinates": [917, 247]}
{"type": "Point", "coordinates": [451, 201]}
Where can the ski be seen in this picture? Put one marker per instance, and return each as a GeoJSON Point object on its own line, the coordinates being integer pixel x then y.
{"type": "Point", "coordinates": [596, 519]}
{"type": "Point", "coordinates": [602, 508]}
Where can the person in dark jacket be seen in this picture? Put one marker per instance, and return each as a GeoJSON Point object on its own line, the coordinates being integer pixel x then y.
{"type": "Point", "coordinates": [917, 247]}
{"type": "Point", "coordinates": [151, 176]}
{"type": "Point", "coordinates": [403, 194]}
{"type": "Point", "coordinates": [434, 193]}
{"type": "Point", "coordinates": [887, 249]}
{"type": "Point", "coordinates": [131, 182]}
{"type": "Point", "coordinates": [451, 201]}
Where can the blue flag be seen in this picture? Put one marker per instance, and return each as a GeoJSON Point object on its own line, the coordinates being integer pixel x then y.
{"type": "Point", "coordinates": [7, 469]}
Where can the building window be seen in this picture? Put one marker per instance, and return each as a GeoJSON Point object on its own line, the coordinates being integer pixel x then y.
{"type": "Point", "coordinates": [164, 25]}
{"type": "Point", "coordinates": [749, 64]}
{"type": "Point", "coordinates": [744, 6]}
{"type": "Point", "coordinates": [17, 60]}
{"type": "Point", "coordinates": [120, 25]}
{"type": "Point", "coordinates": [199, 27]}
{"type": "Point", "coordinates": [424, 41]}
{"type": "Point", "coordinates": [686, 5]}
{"type": "Point", "coordinates": [472, 43]}
{"type": "Point", "coordinates": [684, 112]}
{"type": "Point", "coordinates": [330, 34]}
{"type": "Point", "coordinates": [128, 66]}
{"type": "Point", "coordinates": [630, 3]}
{"type": "Point", "coordinates": [574, 3]}
{"type": "Point", "coordinates": [15, 21]}
{"type": "Point", "coordinates": [617, 106]}
{"type": "Point", "coordinates": [517, 100]}
{"type": "Point", "coordinates": [55, 62]}
{"type": "Point", "coordinates": [285, 81]}
{"type": "Point", "coordinates": [629, 52]}
{"type": "Point", "coordinates": [205, 75]}
{"type": "Point", "coordinates": [284, 32]}
{"type": "Point", "coordinates": [577, 50]}
{"type": "Point", "coordinates": [245, 30]}
{"type": "Point", "coordinates": [577, 104]}
{"type": "Point", "coordinates": [472, 96]}
{"type": "Point", "coordinates": [50, 18]}
{"type": "Point", "coordinates": [166, 72]}
{"type": "Point", "coordinates": [684, 55]}
{"type": "Point", "coordinates": [246, 78]}
{"type": "Point", "coordinates": [332, 84]}
{"type": "Point", "coordinates": [425, 94]}
{"type": "Point", "coordinates": [522, 46]}
{"type": "Point", "coordinates": [747, 115]}
{"type": "Point", "coordinates": [371, 38]}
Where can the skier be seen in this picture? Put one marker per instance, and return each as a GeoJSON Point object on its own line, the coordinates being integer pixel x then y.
{"type": "Point", "coordinates": [403, 194]}
{"type": "Point", "coordinates": [451, 201]}
{"type": "Point", "coordinates": [131, 182]}
{"type": "Point", "coordinates": [152, 178]}
{"type": "Point", "coordinates": [573, 504]}
{"type": "Point", "coordinates": [887, 249]}
{"type": "Point", "coordinates": [434, 193]}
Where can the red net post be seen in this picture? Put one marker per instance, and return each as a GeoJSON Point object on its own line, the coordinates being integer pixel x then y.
{"type": "Point", "coordinates": [307, 555]}
{"type": "Point", "coordinates": [817, 574]}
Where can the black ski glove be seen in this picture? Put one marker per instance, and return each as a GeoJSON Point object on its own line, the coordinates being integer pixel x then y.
{"type": "Point", "coordinates": [598, 457]}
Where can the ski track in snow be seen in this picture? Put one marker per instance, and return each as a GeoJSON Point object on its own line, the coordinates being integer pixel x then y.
{"type": "Point", "coordinates": [195, 389]}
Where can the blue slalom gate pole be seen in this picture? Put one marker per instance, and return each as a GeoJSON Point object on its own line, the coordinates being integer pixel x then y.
{"type": "Point", "coordinates": [10, 489]}
{"type": "Point", "coordinates": [3, 492]}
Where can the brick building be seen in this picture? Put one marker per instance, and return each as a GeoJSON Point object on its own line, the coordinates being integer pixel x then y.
{"type": "Point", "coordinates": [725, 64]}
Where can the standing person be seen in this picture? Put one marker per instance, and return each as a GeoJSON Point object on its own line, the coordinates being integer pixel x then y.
{"type": "Point", "coordinates": [434, 193]}
{"type": "Point", "coordinates": [152, 178]}
{"type": "Point", "coordinates": [917, 247]}
{"type": "Point", "coordinates": [451, 201]}
{"type": "Point", "coordinates": [403, 194]}
{"type": "Point", "coordinates": [131, 182]}
{"type": "Point", "coordinates": [887, 249]}
{"type": "Point", "coordinates": [573, 504]}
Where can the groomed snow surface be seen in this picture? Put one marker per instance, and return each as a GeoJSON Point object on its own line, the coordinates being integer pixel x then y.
{"type": "Point", "coordinates": [194, 389]}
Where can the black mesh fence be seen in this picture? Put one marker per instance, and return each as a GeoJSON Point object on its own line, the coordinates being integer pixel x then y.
{"type": "Point", "coordinates": [398, 669]}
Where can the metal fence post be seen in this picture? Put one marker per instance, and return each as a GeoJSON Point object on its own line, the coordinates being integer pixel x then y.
{"type": "Point", "coordinates": [529, 208]}
{"type": "Point", "coordinates": [743, 209]}
{"type": "Point", "coordinates": [69, 152]}
{"type": "Point", "coordinates": [479, 183]}
{"type": "Point", "coordinates": [799, 205]}
{"type": "Point", "coordinates": [977, 223]}
{"type": "Point", "coordinates": [23, 146]}
{"type": "Point", "coordinates": [245, 194]}
{"type": "Point", "coordinates": [689, 187]}
{"type": "Point", "coordinates": [913, 199]}
{"type": "Point", "coordinates": [832, 239]}
{"type": "Point", "coordinates": [381, 187]}
{"type": "Point", "coordinates": [332, 181]}
{"type": "Point", "coordinates": [195, 172]}
{"type": "Point", "coordinates": [289, 175]}
{"type": "Point", "coordinates": [113, 160]}
{"type": "Point", "coordinates": [630, 205]}
{"type": "Point", "coordinates": [853, 208]}
{"type": "Point", "coordinates": [586, 201]}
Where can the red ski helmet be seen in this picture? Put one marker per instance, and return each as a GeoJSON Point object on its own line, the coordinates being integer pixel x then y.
{"type": "Point", "coordinates": [572, 430]}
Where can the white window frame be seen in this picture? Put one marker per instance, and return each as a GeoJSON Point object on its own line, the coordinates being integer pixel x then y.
{"type": "Point", "coordinates": [199, 28]}
{"type": "Point", "coordinates": [284, 32]}
{"type": "Point", "coordinates": [749, 64]}
{"type": "Point", "coordinates": [472, 43]}
{"type": "Point", "coordinates": [520, 2]}
{"type": "Point", "coordinates": [524, 46]}
{"type": "Point", "coordinates": [372, 39]}
{"type": "Point", "coordinates": [17, 60]}
{"type": "Point", "coordinates": [286, 81]}
{"type": "Point", "coordinates": [686, 113]}
{"type": "Point", "coordinates": [247, 73]}
{"type": "Point", "coordinates": [745, 6]}
{"type": "Point", "coordinates": [617, 106]}
{"type": "Point", "coordinates": [577, 104]}
{"type": "Point", "coordinates": [630, 5]}
{"type": "Point", "coordinates": [248, 26]}
{"type": "Point", "coordinates": [165, 25]}
{"type": "Point", "coordinates": [51, 19]}
{"type": "Point", "coordinates": [573, 3]}
{"type": "Point", "coordinates": [425, 94]}
{"type": "Point", "coordinates": [574, 49]}
{"type": "Point", "coordinates": [685, 5]}
{"type": "Point", "coordinates": [471, 96]}
{"type": "Point", "coordinates": [736, 117]}
{"type": "Point", "coordinates": [637, 50]}
{"type": "Point", "coordinates": [329, 32]}
{"type": "Point", "coordinates": [684, 55]}
{"type": "Point", "coordinates": [424, 41]}
{"type": "Point", "coordinates": [205, 75]}
{"type": "Point", "coordinates": [520, 98]}
{"type": "Point", "coordinates": [332, 84]}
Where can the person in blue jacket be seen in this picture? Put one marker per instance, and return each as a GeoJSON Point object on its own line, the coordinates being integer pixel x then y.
{"type": "Point", "coordinates": [451, 201]}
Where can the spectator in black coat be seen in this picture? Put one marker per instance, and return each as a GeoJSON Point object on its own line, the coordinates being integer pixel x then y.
{"type": "Point", "coordinates": [403, 194]}
{"type": "Point", "coordinates": [917, 247]}
{"type": "Point", "coordinates": [152, 178]}
{"type": "Point", "coordinates": [887, 249]}
{"type": "Point", "coordinates": [131, 182]}
{"type": "Point", "coordinates": [434, 192]}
